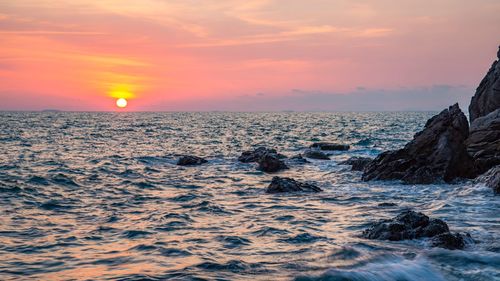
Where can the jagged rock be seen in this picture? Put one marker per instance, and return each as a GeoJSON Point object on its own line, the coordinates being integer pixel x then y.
{"type": "Point", "coordinates": [437, 153]}
{"type": "Point", "coordinates": [357, 163]}
{"type": "Point", "coordinates": [188, 160]}
{"type": "Point", "coordinates": [487, 96]}
{"type": "Point", "coordinates": [407, 225]}
{"type": "Point", "coordinates": [491, 179]}
{"type": "Point", "coordinates": [316, 154]}
{"type": "Point", "coordinates": [329, 146]}
{"type": "Point", "coordinates": [451, 241]}
{"type": "Point", "coordinates": [279, 185]}
{"type": "Point", "coordinates": [387, 204]}
{"type": "Point", "coordinates": [254, 155]}
{"type": "Point", "coordinates": [271, 163]}
{"type": "Point", "coordinates": [483, 143]}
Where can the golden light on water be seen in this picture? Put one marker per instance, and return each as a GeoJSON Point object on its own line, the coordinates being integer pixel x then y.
{"type": "Point", "coordinates": [121, 103]}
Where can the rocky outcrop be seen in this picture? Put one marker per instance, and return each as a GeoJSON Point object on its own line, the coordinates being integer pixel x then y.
{"type": "Point", "coordinates": [487, 96]}
{"type": "Point", "coordinates": [254, 155]}
{"type": "Point", "coordinates": [189, 160]}
{"type": "Point", "coordinates": [316, 154]}
{"type": "Point", "coordinates": [450, 241]}
{"type": "Point", "coordinates": [483, 143]}
{"type": "Point", "coordinates": [413, 225]}
{"type": "Point", "coordinates": [491, 179]}
{"type": "Point", "coordinates": [280, 185]}
{"type": "Point", "coordinates": [298, 159]}
{"type": "Point", "coordinates": [329, 146]}
{"type": "Point", "coordinates": [357, 163]}
{"type": "Point", "coordinates": [271, 163]}
{"type": "Point", "coordinates": [435, 154]}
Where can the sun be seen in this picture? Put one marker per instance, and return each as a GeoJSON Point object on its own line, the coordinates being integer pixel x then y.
{"type": "Point", "coordinates": [121, 103]}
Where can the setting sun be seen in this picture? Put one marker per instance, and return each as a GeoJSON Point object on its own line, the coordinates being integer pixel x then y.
{"type": "Point", "coordinates": [121, 103]}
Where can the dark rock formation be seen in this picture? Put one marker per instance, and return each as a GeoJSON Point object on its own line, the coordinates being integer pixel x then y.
{"type": "Point", "coordinates": [487, 96]}
{"type": "Point", "coordinates": [271, 163]}
{"type": "Point", "coordinates": [437, 153]}
{"type": "Point", "coordinates": [387, 204]}
{"type": "Point", "coordinates": [357, 163]}
{"type": "Point", "coordinates": [316, 154]}
{"type": "Point", "coordinates": [298, 159]}
{"type": "Point", "coordinates": [491, 179]}
{"type": "Point", "coordinates": [254, 155]}
{"type": "Point", "coordinates": [279, 185]}
{"type": "Point", "coordinates": [451, 241]}
{"type": "Point", "coordinates": [407, 225]}
{"type": "Point", "coordinates": [330, 146]}
{"type": "Point", "coordinates": [483, 143]}
{"type": "Point", "coordinates": [188, 160]}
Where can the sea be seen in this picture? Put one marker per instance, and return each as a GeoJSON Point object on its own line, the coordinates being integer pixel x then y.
{"type": "Point", "coordinates": [98, 196]}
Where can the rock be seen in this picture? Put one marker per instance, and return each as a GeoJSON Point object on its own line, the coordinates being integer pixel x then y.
{"type": "Point", "coordinates": [271, 163]}
{"type": "Point", "coordinates": [357, 163]}
{"type": "Point", "coordinates": [491, 179]}
{"type": "Point", "coordinates": [254, 155]}
{"type": "Point", "coordinates": [188, 160]}
{"type": "Point", "coordinates": [407, 225]}
{"type": "Point", "coordinates": [483, 143]}
{"type": "Point", "coordinates": [298, 159]}
{"type": "Point", "coordinates": [329, 146]}
{"type": "Point", "coordinates": [487, 96]}
{"type": "Point", "coordinates": [387, 204]}
{"type": "Point", "coordinates": [448, 240]}
{"type": "Point", "coordinates": [435, 154]}
{"type": "Point", "coordinates": [316, 154]}
{"type": "Point", "coordinates": [279, 185]}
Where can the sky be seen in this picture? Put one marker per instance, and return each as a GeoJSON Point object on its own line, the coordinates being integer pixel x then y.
{"type": "Point", "coordinates": [249, 55]}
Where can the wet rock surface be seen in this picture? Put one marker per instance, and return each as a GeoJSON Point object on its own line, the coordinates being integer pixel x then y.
{"type": "Point", "coordinates": [282, 184]}
{"type": "Point", "coordinates": [190, 160]}
{"type": "Point", "coordinates": [407, 225]}
{"type": "Point", "coordinates": [435, 154]}
{"type": "Point", "coordinates": [450, 241]}
{"type": "Point", "coordinates": [491, 179]}
{"type": "Point", "coordinates": [483, 143]}
{"type": "Point", "coordinates": [357, 163]}
{"type": "Point", "coordinates": [487, 96]}
{"type": "Point", "coordinates": [270, 163]}
{"type": "Point", "coordinates": [330, 146]}
{"type": "Point", "coordinates": [298, 159]}
{"type": "Point", "coordinates": [250, 156]}
{"type": "Point", "coordinates": [316, 154]}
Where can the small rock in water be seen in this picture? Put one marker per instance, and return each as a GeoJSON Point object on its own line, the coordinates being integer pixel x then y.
{"type": "Point", "coordinates": [316, 154]}
{"type": "Point", "coordinates": [298, 159]}
{"type": "Point", "coordinates": [189, 160]}
{"type": "Point", "coordinates": [387, 204]}
{"type": "Point", "coordinates": [330, 146]}
{"type": "Point", "coordinates": [282, 184]}
{"type": "Point", "coordinates": [271, 163]}
{"type": "Point", "coordinates": [448, 240]}
{"type": "Point", "coordinates": [491, 179]}
{"type": "Point", "coordinates": [254, 155]}
{"type": "Point", "coordinates": [358, 163]}
{"type": "Point", "coordinates": [407, 225]}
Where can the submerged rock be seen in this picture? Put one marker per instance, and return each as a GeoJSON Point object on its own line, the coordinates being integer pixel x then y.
{"type": "Point", "coordinates": [487, 96]}
{"type": "Point", "coordinates": [437, 153]}
{"type": "Point", "coordinates": [254, 155]}
{"type": "Point", "coordinates": [483, 143]}
{"type": "Point", "coordinates": [282, 184]}
{"type": "Point", "coordinates": [188, 160]}
{"type": "Point", "coordinates": [298, 159]}
{"type": "Point", "coordinates": [491, 179]}
{"type": "Point", "coordinates": [330, 146]}
{"type": "Point", "coordinates": [271, 163]}
{"type": "Point", "coordinates": [316, 154]}
{"type": "Point", "coordinates": [357, 163]}
{"type": "Point", "coordinates": [407, 225]}
{"type": "Point", "coordinates": [450, 241]}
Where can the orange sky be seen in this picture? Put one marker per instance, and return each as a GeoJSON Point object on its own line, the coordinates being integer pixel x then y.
{"type": "Point", "coordinates": [244, 55]}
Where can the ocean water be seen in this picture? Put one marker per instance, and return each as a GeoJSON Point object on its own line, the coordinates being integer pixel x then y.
{"type": "Point", "coordinates": [97, 196]}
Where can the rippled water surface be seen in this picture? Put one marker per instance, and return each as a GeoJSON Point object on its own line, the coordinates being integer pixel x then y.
{"type": "Point", "coordinates": [97, 196]}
